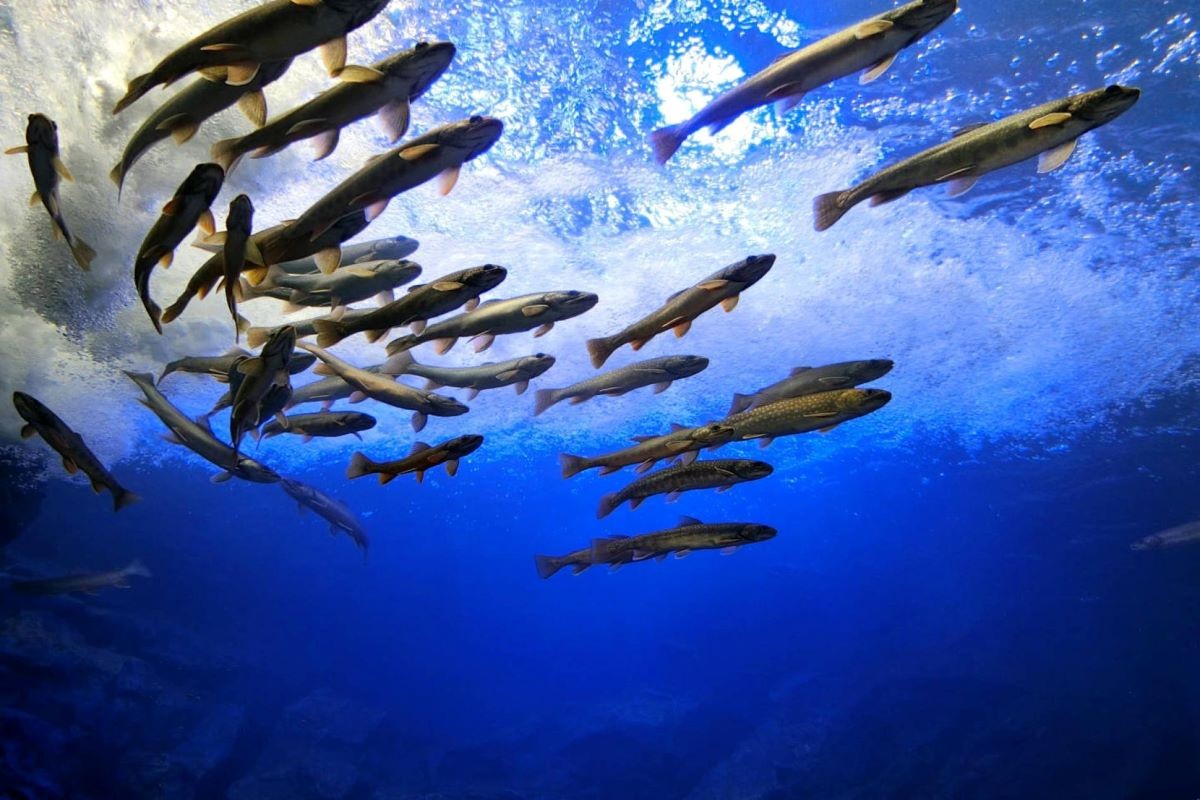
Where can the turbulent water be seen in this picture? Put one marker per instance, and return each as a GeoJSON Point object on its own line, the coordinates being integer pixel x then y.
{"type": "Point", "coordinates": [950, 608]}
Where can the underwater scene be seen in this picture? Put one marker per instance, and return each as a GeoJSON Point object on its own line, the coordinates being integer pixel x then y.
{"type": "Point", "coordinates": [658, 399]}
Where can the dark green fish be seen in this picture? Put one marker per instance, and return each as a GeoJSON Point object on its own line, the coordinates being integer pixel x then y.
{"type": "Point", "coordinates": [681, 442]}
{"type": "Point", "coordinates": [325, 425]}
{"type": "Point", "coordinates": [823, 411]}
{"type": "Point", "coordinates": [721, 474]}
{"type": "Point", "coordinates": [692, 534]}
{"type": "Point", "coordinates": [810, 380]}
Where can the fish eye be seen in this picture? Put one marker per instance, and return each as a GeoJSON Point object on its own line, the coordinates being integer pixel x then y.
{"type": "Point", "coordinates": [421, 45]}
{"type": "Point", "coordinates": [475, 120]}
{"type": "Point", "coordinates": [1111, 90]}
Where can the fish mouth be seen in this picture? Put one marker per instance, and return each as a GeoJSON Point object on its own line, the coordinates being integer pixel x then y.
{"type": "Point", "coordinates": [875, 399]}
{"type": "Point", "coordinates": [577, 302]}
{"type": "Point", "coordinates": [25, 406]}
{"type": "Point", "coordinates": [1111, 102]}
{"type": "Point", "coordinates": [877, 367]}
{"type": "Point", "coordinates": [756, 469]}
{"type": "Point", "coordinates": [447, 406]}
{"type": "Point", "coordinates": [929, 14]}
{"type": "Point", "coordinates": [758, 533]}
{"type": "Point", "coordinates": [754, 267]}
{"type": "Point", "coordinates": [426, 63]}
{"type": "Point", "coordinates": [478, 135]}
{"type": "Point", "coordinates": [41, 129]}
{"type": "Point", "coordinates": [687, 366]}
{"type": "Point", "coordinates": [488, 276]}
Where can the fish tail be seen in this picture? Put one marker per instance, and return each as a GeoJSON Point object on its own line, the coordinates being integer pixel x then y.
{"type": "Point", "coordinates": [172, 312]}
{"type": "Point", "coordinates": [137, 87]}
{"type": "Point", "coordinates": [666, 141]}
{"type": "Point", "coordinates": [741, 402]}
{"type": "Point", "coordinates": [117, 176]}
{"type": "Point", "coordinates": [543, 399]}
{"type": "Point", "coordinates": [608, 504]}
{"type": "Point", "coordinates": [398, 364]}
{"type": "Point", "coordinates": [828, 209]}
{"type": "Point", "coordinates": [225, 153]}
{"type": "Point", "coordinates": [360, 465]}
{"type": "Point", "coordinates": [400, 345]}
{"type": "Point", "coordinates": [600, 350]}
{"type": "Point", "coordinates": [257, 337]}
{"type": "Point", "coordinates": [124, 497]}
{"type": "Point", "coordinates": [547, 565]}
{"type": "Point", "coordinates": [136, 567]}
{"type": "Point", "coordinates": [571, 465]}
{"type": "Point", "coordinates": [83, 253]}
{"type": "Point", "coordinates": [329, 332]}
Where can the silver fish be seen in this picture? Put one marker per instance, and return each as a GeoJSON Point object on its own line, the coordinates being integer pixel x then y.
{"type": "Point", "coordinates": [656, 372]}
{"type": "Point", "coordinates": [89, 583]}
{"type": "Point", "coordinates": [1173, 537]}
{"type": "Point", "coordinates": [391, 248]}
{"type": "Point", "coordinates": [350, 284]}
{"type": "Point", "coordinates": [516, 372]}
{"type": "Point", "coordinates": [810, 380]}
{"type": "Point", "coordinates": [340, 518]}
{"type": "Point", "coordinates": [326, 391]}
{"type": "Point", "coordinates": [681, 442]}
{"type": "Point", "coordinates": [325, 425]}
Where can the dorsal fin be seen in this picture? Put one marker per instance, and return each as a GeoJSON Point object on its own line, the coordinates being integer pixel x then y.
{"type": "Point", "coordinates": [685, 520]}
{"type": "Point", "coordinates": [798, 370]}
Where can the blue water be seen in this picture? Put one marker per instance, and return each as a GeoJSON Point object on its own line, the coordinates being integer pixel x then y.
{"type": "Point", "coordinates": [950, 609]}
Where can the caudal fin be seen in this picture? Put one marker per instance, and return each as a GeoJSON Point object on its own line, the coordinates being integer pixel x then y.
{"type": "Point", "coordinates": [666, 141]}
{"type": "Point", "coordinates": [599, 350]}
{"type": "Point", "coordinates": [123, 498]}
{"type": "Point", "coordinates": [137, 87]}
{"type": "Point", "coordinates": [360, 465]}
{"type": "Point", "coordinates": [828, 209]}
{"type": "Point", "coordinates": [257, 337]}
{"type": "Point", "coordinates": [543, 399]}
{"type": "Point", "coordinates": [83, 253]}
{"type": "Point", "coordinates": [571, 465]}
{"type": "Point", "coordinates": [608, 504]}
{"type": "Point", "coordinates": [329, 332]}
{"type": "Point", "coordinates": [547, 565]}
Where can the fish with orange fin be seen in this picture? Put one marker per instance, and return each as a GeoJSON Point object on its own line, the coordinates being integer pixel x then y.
{"type": "Point", "coordinates": [422, 459]}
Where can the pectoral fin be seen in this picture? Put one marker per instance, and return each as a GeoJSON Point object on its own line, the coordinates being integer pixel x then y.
{"type": "Point", "coordinates": [241, 73]}
{"type": "Point", "coordinates": [28, 431]}
{"type": "Point", "coordinates": [325, 143]}
{"type": "Point", "coordinates": [1053, 159]}
{"type": "Point", "coordinates": [206, 222]}
{"type": "Point", "coordinates": [182, 127]}
{"type": "Point", "coordinates": [329, 259]}
{"type": "Point", "coordinates": [62, 170]}
{"type": "Point", "coordinates": [877, 69]}
{"type": "Point", "coordinates": [1057, 118]}
{"type": "Point", "coordinates": [682, 328]}
{"type": "Point", "coordinates": [730, 303]}
{"type": "Point", "coordinates": [543, 330]}
{"type": "Point", "coordinates": [14, 151]}
{"type": "Point", "coordinates": [873, 27]}
{"type": "Point", "coordinates": [393, 118]}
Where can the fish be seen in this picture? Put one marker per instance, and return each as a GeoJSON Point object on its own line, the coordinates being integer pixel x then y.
{"type": "Point", "coordinates": [350, 284]}
{"type": "Point", "coordinates": [390, 248]}
{"type": "Point", "coordinates": [46, 166]}
{"type": "Point", "coordinates": [386, 87]}
{"type": "Point", "coordinates": [304, 328]}
{"type": "Point", "coordinates": [181, 116]}
{"type": "Point", "coordinates": [340, 518]}
{"type": "Point", "coordinates": [197, 436]}
{"type": "Point", "coordinates": [261, 386]}
{"type": "Point", "coordinates": [420, 459]}
{"type": "Point", "coordinates": [871, 45]}
{"type": "Point", "coordinates": [326, 391]}
{"type": "Point", "coordinates": [188, 208]}
{"type": "Point", "coordinates": [280, 400]}
{"type": "Point", "coordinates": [578, 561]}
{"type": "Point", "coordinates": [76, 456]}
{"type": "Point", "coordinates": [442, 151]}
{"type": "Point", "coordinates": [274, 250]}
{"type": "Point", "coordinates": [514, 315]}
{"type": "Point", "coordinates": [386, 390]}
{"type": "Point", "coordinates": [516, 372]}
{"type": "Point", "coordinates": [1049, 131]}
{"type": "Point", "coordinates": [810, 380]}
{"type": "Point", "coordinates": [421, 303]}
{"type": "Point", "coordinates": [326, 425]}
{"type": "Point", "coordinates": [690, 535]}
{"type": "Point", "coordinates": [720, 474]}
{"type": "Point", "coordinates": [1173, 537]}
{"type": "Point", "coordinates": [273, 31]}
{"type": "Point", "coordinates": [723, 288]}
{"type": "Point", "coordinates": [86, 583]}
{"type": "Point", "coordinates": [656, 372]}
{"type": "Point", "coordinates": [239, 225]}
{"type": "Point", "coordinates": [681, 442]}
{"type": "Point", "coordinates": [822, 411]}
{"type": "Point", "coordinates": [214, 366]}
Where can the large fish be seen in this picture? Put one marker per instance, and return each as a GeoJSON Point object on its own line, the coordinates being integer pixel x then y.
{"type": "Point", "coordinates": [442, 151]}
{"type": "Point", "coordinates": [88, 583]}
{"type": "Point", "coordinates": [390, 248]}
{"type": "Point", "coordinates": [198, 437]}
{"type": "Point", "coordinates": [386, 390]}
{"type": "Point", "coordinates": [723, 288]}
{"type": "Point", "coordinates": [261, 386]}
{"type": "Point", "coordinates": [516, 372]}
{"type": "Point", "coordinates": [1173, 537]}
{"type": "Point", "coordinates": [189, 207]}
{"type": "Point", "coordinates": [326, 391]}
{"type": "Point", "coordinates": [1049, 131]}
{"type": "Point", "coordinates": [514, 315]}
{"type": "Point", "coordinates": [692, 534]}
{"type": "Point", "coordinates": [76, 457]}
{"type": "Point", "coordinates": [325, 425]}
{"type": "Point", "coordinates": [681, 442]}
{"type": "Point", "coordinates": [421, 459]}
{"type": "Point", "coordinates": [386, 87]}
{"type": "Point", "coordinates": [423, 302]}
{"type": "Point", "coordinates": [350, 284]}
{"type": "Point", "coordinates": [871, 45]}
{"type": "Point", "coordinates": [810, 380]}
{"type": "Point", "coordinates": [304, 328]}
{"type": "Point", "coordinates": [46, 165]}
{"type": "Point", "coordinates": [340, 518]}
{"type": "Point", "coordinates": [271, 247]}
{"type": "Point", "coordinates": [656, 372]}
{"type": "Point", "coordinates": [719, 474]}
{"type": "Point", "coordinates": [182, 115]}
{"type": "Point", "coordinates": [274, 31]}
{"type": "Point", "coordinates": [239, 227]}
{"type": "Point", "coordinates": [823, 411]}
{"type": "Point", "coordinates": [219, 367]}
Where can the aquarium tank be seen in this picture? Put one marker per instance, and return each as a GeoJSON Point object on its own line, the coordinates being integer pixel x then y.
{"type": "Point", "coordinates": [643, 400]}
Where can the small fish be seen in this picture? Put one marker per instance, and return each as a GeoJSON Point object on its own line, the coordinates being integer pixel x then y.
{"type": "Point", "coordinates": [305, 328]}
{"type": "Point", "coordinates": [213, 366]}
{"type": "Point", "coordinates": [298, 363]}
{"type": "Point", "coordinates": [326, 425]}
{"type": "Point", "coordinates": [1049, 131]}
{"type": "Point", "coordinates": [656, 372]}
{"type": "Point", "coordinates": [239, 225]}
{"type": "Point", "coordinates": [723, 288]}
{"type": "Point", "coordinates": [810, 380]}
{"type": "Point", "coordinates": [422, 302]}
{"type": "Point", "coordinates": [90, 583]}
{"type": "Point", "coordinates": [681, 442]}
{"type": "Point", "coordinates": [182, 115]}
{"type": "Point", "coordinates": [870, 45]}
{"type": "Point", "coordinates": [46, 165]}
{"type": "Point", "coordinates": [273, 31]}
{"type": "Point", "coordinates": [197, 436]}
{"type": "Point", "coordinates": [674, 481]}
{"type": "Point", "coordinates": [350, 284]}
{"type": "Point", "coordinates": [326, 391]}
{"type": "Point", "coordinates": [386, 390]}
{"type": "Point", "coordinates": [1172, 537]}
{"type": "Point", "coordinates": [261, 387]}
{"type": "Point", "coordinates": [516, 372]}
{"type": "Point", "coordinates": [823, 412]}
{"type": "Point", "coordinates": [274, 250]}
{"type": "Point", "coordinates": [386, 87]}
{"type": "Point", "coordinates": [421, 459]}
{"type": "Point", "coordinates": [690, 535]}
{"type": "Point", "coordinates": [340, 518]}
{"type": "Point", "coordinates": [188, 208]}
{"type": "Point", "coordinates": [578, 561]}
{"type": "Point", "coordinates": [391, 248]}
{"type": "Point", "coordinates": [76, 457]}
{"type": "Point", "coordinates": [495, 317]}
